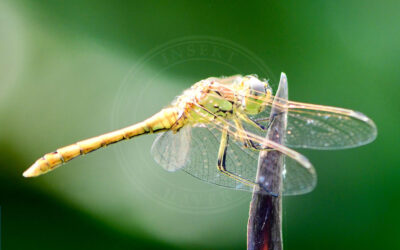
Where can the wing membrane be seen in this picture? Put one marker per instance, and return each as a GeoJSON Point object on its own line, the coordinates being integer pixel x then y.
{"type": "Point", "coordinates": [195, 150]}
{"type": "Point", "coordinates": [320, 127]}
{"type": "Point", "coordinates": [204, 153]}
{"type": "Point", "coordinates": [298, 176]}
{"type": "Point", "coordinates": [324, 127]}
{"type": "Point", "coordinates": [171, 151]}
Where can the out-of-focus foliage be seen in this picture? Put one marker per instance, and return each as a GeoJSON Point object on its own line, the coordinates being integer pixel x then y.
{"type": "Point", "coordinates": [69, 70]}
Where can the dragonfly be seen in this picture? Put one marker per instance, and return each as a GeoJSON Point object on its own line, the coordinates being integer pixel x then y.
{"type": "Point", "coordinates": [215, 130]}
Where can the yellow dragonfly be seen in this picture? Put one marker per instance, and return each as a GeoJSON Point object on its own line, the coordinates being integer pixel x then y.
{"type": "Point", "coordinates": [216, 128]}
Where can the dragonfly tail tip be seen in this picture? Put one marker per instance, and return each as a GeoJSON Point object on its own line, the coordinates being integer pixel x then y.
{"type": "Point", "coordinates": [31, 172]}
{"type": "Point", "coordinates": [27, 173]}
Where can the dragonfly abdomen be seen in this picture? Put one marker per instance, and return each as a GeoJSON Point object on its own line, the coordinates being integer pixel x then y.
{"type": "Point", "coordinates": [159, 122]}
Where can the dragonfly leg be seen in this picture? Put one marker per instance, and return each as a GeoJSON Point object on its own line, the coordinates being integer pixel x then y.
{"type": "Point", "coordinates": [270, 120]}
{"type": "Point", "coordinates": [252, 122]}
{"type": "Point", "coordinates": [222, 157]}
{"type": "Point", "coordinates": [258, 125]}
{"type": "Point", "coordinates": [221, 166]}
{"type": "Point", "coordinates": [259, 147]}
{"type": "Point", "coordinates": [263, 187]}
{"type": "Point", "coordinates": [242, 135]}
{"type": "Point", "coordinates": [247, 141]}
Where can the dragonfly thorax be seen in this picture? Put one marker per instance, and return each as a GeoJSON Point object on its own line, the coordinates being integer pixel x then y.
{"type": "Point", "coordinates": [224, 97]}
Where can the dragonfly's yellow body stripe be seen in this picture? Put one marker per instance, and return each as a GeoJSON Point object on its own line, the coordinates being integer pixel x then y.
{"type": "Point", "coordinates": [161, 121]}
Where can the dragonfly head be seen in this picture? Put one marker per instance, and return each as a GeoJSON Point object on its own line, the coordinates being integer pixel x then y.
{"type": "Point", "coordinates": [256, 94]}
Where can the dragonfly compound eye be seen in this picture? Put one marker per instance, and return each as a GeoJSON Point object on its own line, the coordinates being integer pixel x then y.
{"type": "Point", "coordinates": [256, 93]}
{"type": "Point", "coordinates": [257, 87]}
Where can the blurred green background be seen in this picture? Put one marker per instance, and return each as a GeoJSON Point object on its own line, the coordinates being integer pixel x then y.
{"type": "Point", "coordinates": [75, 69]}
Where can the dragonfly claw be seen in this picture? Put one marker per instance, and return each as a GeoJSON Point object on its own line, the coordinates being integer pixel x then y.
{"type": "Point", "coordinates": [263, 127]}
{"type": "Point", "coordinates": [262, 186]}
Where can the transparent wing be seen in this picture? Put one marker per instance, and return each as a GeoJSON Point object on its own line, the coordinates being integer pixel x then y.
{"type": "Point", "coordinates": [195, 149]}
{"type": "Point", "coordinates": [323, 127]}
{"type": "Point", "coordinates": [171, 150]}
{"type": "Point", "coordinates": [317, 126]}
{"type": "Point", "coordinates": [299, 176]}
{"type": "Point", "coordinates": [204, 154]}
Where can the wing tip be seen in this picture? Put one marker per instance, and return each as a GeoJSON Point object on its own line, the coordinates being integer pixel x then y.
{"type": "Point", "coordinates": [373, 129]}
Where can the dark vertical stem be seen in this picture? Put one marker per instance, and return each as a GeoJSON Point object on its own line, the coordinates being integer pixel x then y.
{"type": "Point", "coordinates": [264, 230]}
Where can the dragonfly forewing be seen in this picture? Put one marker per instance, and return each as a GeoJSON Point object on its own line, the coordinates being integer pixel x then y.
{"type": "Point", "coordinates": [325, 127]}
{"type": "Point", "coordinates": [321, 127]}
{"type": "Point", "coordinates": [318, 126]}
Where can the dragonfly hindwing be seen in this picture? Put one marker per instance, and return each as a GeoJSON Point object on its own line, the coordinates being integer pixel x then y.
{"type": "Point", "coordinates": [170, 149]}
